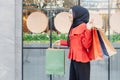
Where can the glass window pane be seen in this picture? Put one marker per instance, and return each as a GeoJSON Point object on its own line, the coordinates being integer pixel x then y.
{"type": "Point", "coordinates": [35, 26]}
{"type": "Point", "coordinates": [49, 3]}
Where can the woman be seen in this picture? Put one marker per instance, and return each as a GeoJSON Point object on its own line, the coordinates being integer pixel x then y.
{"type": "Point", "coordinates": [79, 42]}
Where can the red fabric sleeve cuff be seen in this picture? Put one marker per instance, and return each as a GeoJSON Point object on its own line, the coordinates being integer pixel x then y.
{"type": "Point", "coordinates": [63, 42]}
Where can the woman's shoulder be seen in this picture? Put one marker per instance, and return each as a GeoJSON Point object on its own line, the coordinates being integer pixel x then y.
{"type": "Point", "coordinates": [79, 29]}
{"type": "Point", "coordinates": [83, 25]}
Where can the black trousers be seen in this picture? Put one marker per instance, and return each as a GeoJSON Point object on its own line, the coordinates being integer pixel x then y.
{"type": "Point", "coordinates": [79, 71]}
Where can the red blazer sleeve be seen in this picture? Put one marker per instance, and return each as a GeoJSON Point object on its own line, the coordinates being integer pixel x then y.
{"type": "Point", "coordinates": [63, 42]}
{"type": "Point", "coordinates": [87, 39]}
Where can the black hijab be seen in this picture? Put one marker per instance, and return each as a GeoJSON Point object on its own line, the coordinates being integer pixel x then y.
{"type": "Point", "coordinates": [80, 15]}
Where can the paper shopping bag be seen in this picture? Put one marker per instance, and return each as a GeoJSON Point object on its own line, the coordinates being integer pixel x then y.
{"type": "Point", "coordinates": [55, 61]}
{"type": "Point", "coordinates": [96, 50]}
{"type": "Point", "coordinates": [110, 49]}
{"type": "Point", "coordinates": [104, 50]}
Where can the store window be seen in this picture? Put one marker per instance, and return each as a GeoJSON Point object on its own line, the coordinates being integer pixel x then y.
{"type": "Point", "coordinates": [44, 23]}
{"type": "Point", "coordinates": [40, 15]}
{"type": "Point", "coordinates": [106, 14]}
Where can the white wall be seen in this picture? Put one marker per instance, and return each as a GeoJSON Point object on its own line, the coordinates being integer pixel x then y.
{"type": "Point", "coordinates": [10, 56]}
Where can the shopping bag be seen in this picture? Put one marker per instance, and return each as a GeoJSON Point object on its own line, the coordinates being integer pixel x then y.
{"type": "Point", "coordinates": [110, 49]}
{"type": "Point", "coordinates": [104, 50]}
{"type": "Point", "coordinates": [95, 50]}
{"type": "Point", "coordinates": [55, 61]}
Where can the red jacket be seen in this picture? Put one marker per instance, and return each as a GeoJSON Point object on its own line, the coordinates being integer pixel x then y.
{"type": "Point", "coordinates": [80, 42]}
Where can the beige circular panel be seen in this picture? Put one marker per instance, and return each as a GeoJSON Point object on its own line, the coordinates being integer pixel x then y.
{"type": "Point", "coordinates": [115, 22]}
{"type": "Point", "coordinates": [37, 22]}
{"type": "Point", "coordinates": [62, 22]}
{"type": "Point", "coordinates": [96, 19]}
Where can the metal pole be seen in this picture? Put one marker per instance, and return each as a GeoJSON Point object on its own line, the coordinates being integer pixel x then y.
{"type": "Point", "coordinates": [78, 2]}
{"type": "Point", "coordinates": [50, 35]}
{"type": "Point", "coordinates": [51, 23]}
{"type": "Point", "coordinates": [51, 28]}
{"type": "Point", "coordinates": [109, 19]}
{"type": "Point", "coordinates": [109, 37]}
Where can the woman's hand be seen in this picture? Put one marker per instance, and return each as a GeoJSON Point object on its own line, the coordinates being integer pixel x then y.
{"type": "Point", "coordinates": [57, 43]}
{"type": "Point", "coordinates": [91, 24]}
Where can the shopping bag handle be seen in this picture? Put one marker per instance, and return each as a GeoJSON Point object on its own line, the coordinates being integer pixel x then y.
{"type": "Point", "coordinates": [58, 46]}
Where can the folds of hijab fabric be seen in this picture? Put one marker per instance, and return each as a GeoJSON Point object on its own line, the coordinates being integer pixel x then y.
{"type": "Point", "coordinates": [80, 15]}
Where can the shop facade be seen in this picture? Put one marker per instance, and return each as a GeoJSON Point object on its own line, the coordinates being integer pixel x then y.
{"type": "Point", "coordinates": [24, 61]}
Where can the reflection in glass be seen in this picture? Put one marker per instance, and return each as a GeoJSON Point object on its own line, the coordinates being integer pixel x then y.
{"type": "Point", "coordinates": [50, 3]}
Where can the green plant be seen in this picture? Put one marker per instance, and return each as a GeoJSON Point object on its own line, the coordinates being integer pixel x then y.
{"type": "Point", "coordinates": [115, 37]}
{"type": "Point", "coordinates": [56, 36]}
{"type": "Point", "coordinates": [43, 37]}
{"type": "Point", "coordinates": [27, 37]}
